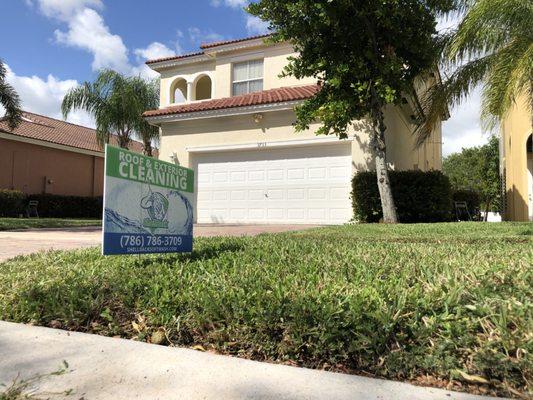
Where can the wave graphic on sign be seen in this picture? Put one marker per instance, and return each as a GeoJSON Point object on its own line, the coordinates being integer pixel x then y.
{"type": "Point", "coordinates": [187, 226]}
{"type": "Point", "coordinates": [120, 223]}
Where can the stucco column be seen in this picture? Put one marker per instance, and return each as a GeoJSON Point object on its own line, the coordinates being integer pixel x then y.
{"type": "Point", "coordinates": [189, 91]}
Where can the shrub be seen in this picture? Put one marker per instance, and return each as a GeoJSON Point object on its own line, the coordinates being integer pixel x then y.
{"type": "Point", "coordinates": [419, 196]}
{"type": "Point", "coordinates": [473, 202]}
{"type": "Point", "coordinates": [12, 203]}
{"type": "Point", "coordinates": [57, 206]}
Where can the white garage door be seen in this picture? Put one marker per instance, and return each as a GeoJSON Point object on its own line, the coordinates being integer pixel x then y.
{"type": "Point", "coordinates": [302, 185]}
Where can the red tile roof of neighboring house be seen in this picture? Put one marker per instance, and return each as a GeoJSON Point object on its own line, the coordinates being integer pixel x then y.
{"type": "Point", "coordinates": [39, 127]}
{"type": "Point", "coordinates": [206, 46]}
{"type": "Point", "coordinates": [279, 95]}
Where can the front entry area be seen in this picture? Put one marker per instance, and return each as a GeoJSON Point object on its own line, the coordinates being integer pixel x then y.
{"type": "Point", "coordinates": [292, 185]}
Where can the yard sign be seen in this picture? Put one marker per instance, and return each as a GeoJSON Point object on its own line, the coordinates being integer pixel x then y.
{"type": "Point", "coordinates": [147, 205]}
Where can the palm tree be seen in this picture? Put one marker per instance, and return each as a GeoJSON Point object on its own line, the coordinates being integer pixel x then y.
{"type": "Point", "coordinates": [147, 98]}
{"type": "Point", "coordinates": [492, 46]}
{"type": "Point", "coordinates": [111, 100]}
{"type": "Point", "coordinates": [9, 99]}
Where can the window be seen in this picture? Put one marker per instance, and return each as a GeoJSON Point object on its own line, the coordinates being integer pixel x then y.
{"type": "Point", "coordinates": [247, 77]}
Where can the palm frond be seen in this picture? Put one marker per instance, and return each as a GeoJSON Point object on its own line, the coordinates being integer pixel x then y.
{"type": "Point", "coordinates": [488, 26]}
{"type": "Point", "coordinates": [449, 93]}
{"type": "Point", "coordinates": [510, 76]}
{"type": "Point", "coordinates": [10, 100]}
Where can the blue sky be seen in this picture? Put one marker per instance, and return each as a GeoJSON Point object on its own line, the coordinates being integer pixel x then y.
{"type": "Point", "coordinates": [51, 46]}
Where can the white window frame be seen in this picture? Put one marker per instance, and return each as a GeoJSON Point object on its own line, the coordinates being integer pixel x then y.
{"type": "Point", "coordinates": [247, 62]}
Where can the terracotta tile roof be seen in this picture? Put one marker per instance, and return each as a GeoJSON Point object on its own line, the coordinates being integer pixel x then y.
{"type": "Point", "coordinates": [265, 97]}
{"type": "Point", "coordinates": [206, 46]}
{"type": "Point", "coordinates": [175, 57]}
{"type": "Point", "coordinates": [46, 129]}
{"type": "Point", "coordinates": [224, 42]}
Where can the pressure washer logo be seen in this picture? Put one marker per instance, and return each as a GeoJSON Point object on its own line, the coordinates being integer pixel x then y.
{"type": "Point", "coordinates": [156, 204]}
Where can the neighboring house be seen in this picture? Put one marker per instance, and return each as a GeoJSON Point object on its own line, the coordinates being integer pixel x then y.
{"type": "Point", "coordinates": [226, 113]}
{"type": "Point", "coordinates": [46, 155]}
{"type": "Point", "coordinates": [516, 151]}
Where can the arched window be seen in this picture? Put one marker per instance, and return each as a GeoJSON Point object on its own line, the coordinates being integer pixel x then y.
{"type": "Point", "coordinates": [203, 88]}
{"type": "Point", "coordinates": [178, 91]}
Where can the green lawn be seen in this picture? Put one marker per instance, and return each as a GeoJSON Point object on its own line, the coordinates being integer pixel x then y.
{"type": "Point", "coordinates": [442, 304]}
{"type": "Point", "coordinates": [7, 224]}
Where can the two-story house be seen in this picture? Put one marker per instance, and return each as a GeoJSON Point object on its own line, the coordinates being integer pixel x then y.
{"type": "Point", "coordinates": [226, 113]}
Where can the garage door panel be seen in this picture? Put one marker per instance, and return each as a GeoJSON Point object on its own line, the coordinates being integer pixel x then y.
{"type": "Point", "coordinates": [237, 195]}
{"type": "Point", "coordinates": [299, 185]}
{"type": "Point", "coordinates": [339, 172]}
{"type": "Point", "coordinates": [218, 195]}
{"type": "Point", "coordinates": [256, 214]}
{"type": "Point", "coordinates": [238, 176]}
{"type": "Point", "coordinates": [296, 194]}
{"type": "Point", "coordinates": [275, 175]}
{"type": "Point", "coordinates": [339, 214]}
{"type": "Point", "coordinates": [297, 214]}
{"type": "Point", "coordinates": [296, 174]}
{"type": "Point", "coordinates": [339, 193]}
{"type": "Point", "coordinates": [319, 214]}
{"type": "Point", "coordinates": [275, 214]}
{"type": "Point", "coordinates": [256, 195]}
{"type": "Point", "coordinates": [256, 176]}
{"type": "Point", "coordinates": [318, 173]}
{"type": "Point", "coordinates": [317, 194]}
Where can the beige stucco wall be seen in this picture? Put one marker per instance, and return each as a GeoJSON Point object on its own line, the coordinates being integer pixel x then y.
{"type": "Point", "coordinates": [219, 68]}
{"type": "Point", "coordinates": [516, 129]}
{"type": "Point", "coordinates": [277, 126]}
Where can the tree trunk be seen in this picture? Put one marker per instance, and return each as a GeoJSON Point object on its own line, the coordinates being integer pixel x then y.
{"type": "Point", "coordinates": [385, 192]}
{"type": "Point", "coordinates": [147, 147]}
{"type": "Point", "coordinates": [123, 140]}
{"type": "Point", "coordinates": [487, 208]}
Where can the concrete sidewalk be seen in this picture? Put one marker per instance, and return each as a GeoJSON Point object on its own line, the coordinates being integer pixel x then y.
{"type": "Point", "coordinates": [107, 368]}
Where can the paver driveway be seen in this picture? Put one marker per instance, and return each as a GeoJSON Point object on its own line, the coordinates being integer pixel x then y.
{"type": "Point", "coordinates": [14, 243]}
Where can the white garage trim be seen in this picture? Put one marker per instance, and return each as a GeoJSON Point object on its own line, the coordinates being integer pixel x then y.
{"type": "Point", "coordinates": [268, 145]}
{"type": "Point", "coordinates": [297, 185]}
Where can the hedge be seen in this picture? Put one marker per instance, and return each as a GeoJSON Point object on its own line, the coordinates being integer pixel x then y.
{"type": "Point", "coordinates": [419, 196]}
{"type": "Point", "coordinates": [57, 206]}
{"type": "Point", "coordinates": [12, 203]}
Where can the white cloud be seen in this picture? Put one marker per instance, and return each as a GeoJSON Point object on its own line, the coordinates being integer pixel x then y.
{"type": "Point", "coordinates": [87, 31]}
{"type": "Point", "coordinates": [64, 9]}
{"type": "Point", "coordinates": [44, 96]}
{"type": "Point", "coordinates": [197, 36]}
{"type": "Point", "coordinates": [151, 52]}
{"type": "Point", "coordinates": [463, 129]}
{"type": "Point", "coordinates": [230, 3]}
{"type": "Point", "coordinates": [256, 26]}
